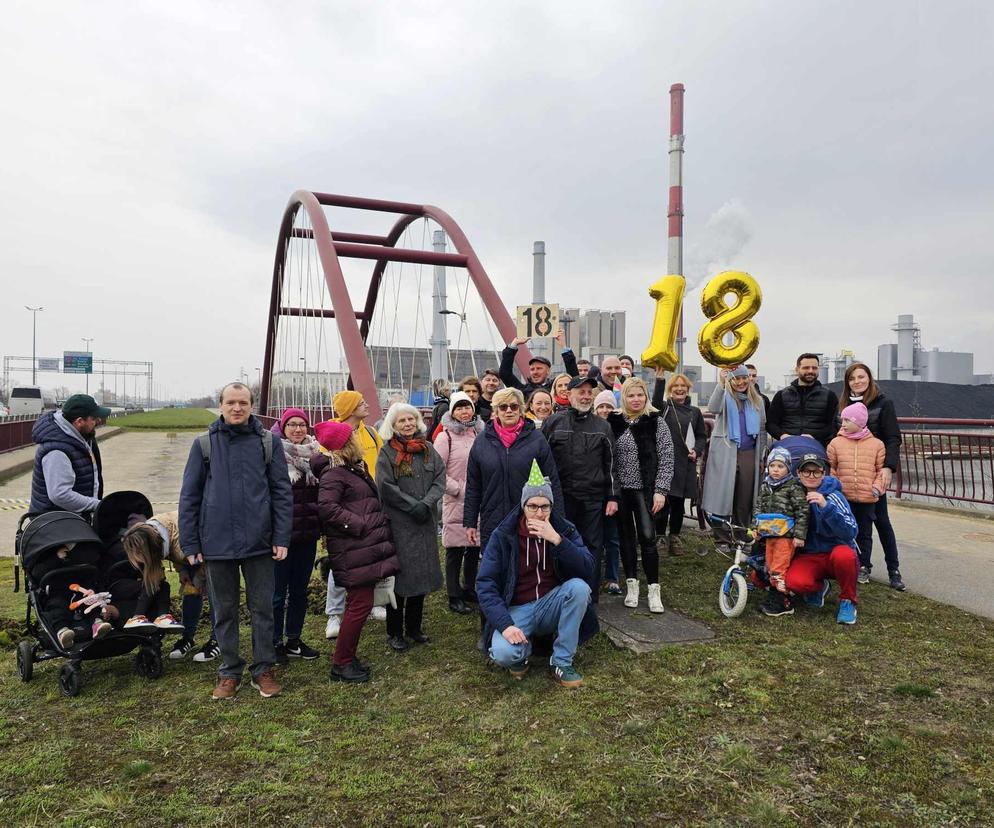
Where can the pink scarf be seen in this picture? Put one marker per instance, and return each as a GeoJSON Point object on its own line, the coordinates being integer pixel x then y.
{"type": "Point", "coordinates": [862, 434]}
{"type": "Point", "coordinates": [508, 434]}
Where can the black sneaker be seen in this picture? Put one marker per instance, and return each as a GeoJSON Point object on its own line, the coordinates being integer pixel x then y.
{"type": "Point", "coordinates": [864, 575]}
{"type": "Point", "coordinates": [776, 604]}
{"type": "Point", "coordinates": [458, 606]}
{"type": "Point", "coordinates": [896, 582]}
{"type": "Point", "coordinates": [181, 648]}
{"type": "Point", "coordinates": [298, 649]}
{"type": "Point", "coordinates": [397, 643]}
{"type": "Point", "coordinates": [419, 637]}
{"type": "Point", "coordinates": [349, 673]}
{"type": "Point", "coordinates": [281, 654]}
{"type": "Point", "coordinates": [208, 652]}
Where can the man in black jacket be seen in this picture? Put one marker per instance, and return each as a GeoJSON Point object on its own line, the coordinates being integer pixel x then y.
{"type": "Point", "coordinates": [582, 444]}
{"type": "Point", "coordinates": [539, 368]}
{"type": "Point", "coordinates": [804, 407]}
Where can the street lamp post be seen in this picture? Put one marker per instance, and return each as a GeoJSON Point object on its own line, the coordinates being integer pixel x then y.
{"type": "Point", "coordinates": [304, 360]}
{"type": "Point", "coordinates": [34, 339]}
{"type": "Point", "coordinates": [88, 340]}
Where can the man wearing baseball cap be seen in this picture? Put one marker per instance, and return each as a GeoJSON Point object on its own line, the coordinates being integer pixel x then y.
{"type": "Point", "coordinates": [68, 473]}
{"type": "Point", "coordinates": [539, 368]}
{"type": "Point", "coordinates": [582, 445]}
{"type": "Point", "coordinates": [829, 548]}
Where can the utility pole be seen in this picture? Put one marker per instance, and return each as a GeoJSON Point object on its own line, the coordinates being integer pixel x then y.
{"type": "Point", "coordinates": [34, 339]}
{"type": "Point", "coordinates": [87, 340]}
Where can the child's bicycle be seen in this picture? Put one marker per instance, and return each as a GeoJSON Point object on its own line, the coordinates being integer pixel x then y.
{"type": "Point", "coordinates": [737, 583]}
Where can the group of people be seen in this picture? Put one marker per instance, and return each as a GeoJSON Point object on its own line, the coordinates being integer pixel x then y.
{"type": "Point", "coordinates": [539, 500]}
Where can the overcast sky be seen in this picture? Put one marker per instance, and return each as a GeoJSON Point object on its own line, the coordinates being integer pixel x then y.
{"type": "Point", "coordinates": [840, 152]}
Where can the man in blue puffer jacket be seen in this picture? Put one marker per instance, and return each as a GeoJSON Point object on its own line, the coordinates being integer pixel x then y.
{"type": "Point", "coordinates": [235, 511]}
{"type": "Point", "coordinates": [536, 578]}
{"type": "Point", "coordinates": [828, 550]}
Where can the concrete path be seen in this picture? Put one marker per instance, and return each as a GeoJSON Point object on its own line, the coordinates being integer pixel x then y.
{"type": "Point", "coordinates": [946, 557]}
{"type": "Point", "coordinates": [149, 462]}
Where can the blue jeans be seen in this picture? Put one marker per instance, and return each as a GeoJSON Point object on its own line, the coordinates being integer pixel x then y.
{"type": "Point", "coordinates": [881, 519]}
{"type": "Point", "coordinates": [192, 608]}
{"type": "Point", "coordinates": [612, 549]}
{"type": "Point", "coordinates": [293, 574]}
{"type": "Point", "coordinates": [559, 611]}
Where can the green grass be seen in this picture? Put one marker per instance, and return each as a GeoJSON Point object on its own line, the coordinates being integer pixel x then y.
{"type": "Point", "coordinates": [166, 419]}
{"type": "Point", "coordinates": [775, 722]}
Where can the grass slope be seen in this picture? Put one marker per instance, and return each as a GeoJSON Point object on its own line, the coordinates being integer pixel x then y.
{"type": "Point", "coordinates": [774, 723]}
{"type": "Point", "coordinates": [171, 419]}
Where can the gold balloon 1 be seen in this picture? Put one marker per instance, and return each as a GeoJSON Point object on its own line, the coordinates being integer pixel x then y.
{"type": "Point", "coordinates": [736, 319]}
{"type": "Point", "coordinates": [661, 352]}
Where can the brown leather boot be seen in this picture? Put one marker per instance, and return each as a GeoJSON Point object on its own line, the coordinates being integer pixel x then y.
{"type": "Point", "coordinates": [266, 684]}
{"type": "Point", "coordinates": [676, 547]}
{"type": "Point", "coordinates": [226, 687]}
{"type": "Point", "coordinates": [663, 545]}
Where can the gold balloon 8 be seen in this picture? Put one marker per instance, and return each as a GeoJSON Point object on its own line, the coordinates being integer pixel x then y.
{"type": "Point", "coordinates": [661, 351]}
{"type": "Point", "coordinates": [735, 319]}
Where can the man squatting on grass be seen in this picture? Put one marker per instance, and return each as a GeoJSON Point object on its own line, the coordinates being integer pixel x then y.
{"type": "Point", "coordinates": [536, 578]}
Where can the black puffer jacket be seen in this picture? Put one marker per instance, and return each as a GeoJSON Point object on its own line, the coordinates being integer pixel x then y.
{"type": "Point", "coordinates": [804, 409]}
{"type": "Point", "coordinates": [583, 446]}
{"type": "Point", "coordinates": [680, 418]}
{"type": "Point", "coordinates": [357, 532]}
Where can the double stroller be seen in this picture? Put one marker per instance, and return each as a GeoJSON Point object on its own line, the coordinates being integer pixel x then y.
{"type": "Point", "coordinates": [60, 551]}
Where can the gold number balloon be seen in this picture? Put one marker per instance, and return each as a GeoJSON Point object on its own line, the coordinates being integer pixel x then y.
{"type": "Point", "coordinates": [723, 319]}
{"type": "Point", "coordinates": [668, 293]}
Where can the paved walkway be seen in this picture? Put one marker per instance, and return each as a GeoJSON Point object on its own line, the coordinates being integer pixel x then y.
{"type": "Point", "coordinates": [149, 462]}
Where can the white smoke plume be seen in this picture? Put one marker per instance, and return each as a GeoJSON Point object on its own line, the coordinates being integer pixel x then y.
{"type": "Point", "coordinates": [725, 234]}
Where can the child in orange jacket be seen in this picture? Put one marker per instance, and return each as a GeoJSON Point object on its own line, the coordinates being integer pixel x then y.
{"type": "Point", "coordinates": [856, 457]}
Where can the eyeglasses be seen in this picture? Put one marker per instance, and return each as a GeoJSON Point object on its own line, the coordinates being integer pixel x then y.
{"type": "Point", "coordinates": [811, 472]}
{"type": "Point", "coordinates": [295, 425]}
{"type": "Point", "coordinates": [533, 507]}
{"type": "Point", "coordinates": [508, 407]}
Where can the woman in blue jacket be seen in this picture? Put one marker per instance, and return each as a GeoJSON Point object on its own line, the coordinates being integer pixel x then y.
{"type": "Point", "coordinates": [499, 463]}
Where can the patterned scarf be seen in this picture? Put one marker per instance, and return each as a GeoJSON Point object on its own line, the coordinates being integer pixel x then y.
{"type": "Point", "coordinates": [406, 449]}
{"type": "Point", "coordinates": [298, 459]}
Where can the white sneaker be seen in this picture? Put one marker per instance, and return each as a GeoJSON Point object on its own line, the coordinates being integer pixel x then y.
{"type": "Point", "coordinates": [378, 614]}
{"type": "Point", "coordinates": [655, 603]}
{"type": "Point", "coordinates": [334, 625]}
{"type": "Point", "coordinates": [632, 598]}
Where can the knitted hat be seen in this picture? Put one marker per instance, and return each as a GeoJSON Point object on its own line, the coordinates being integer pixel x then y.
{"type": "Point", "coordinates": [536, 485]}
{"type": "Point", "coordinates": [292, 412]}
{"type": "Point", "coordinates": [605, 398]}
{"type": "Point", "coordinates": [459, 397]}
{"type": "Point", "coordinates": [857, 413]}
{"type": "Point", "coordinates": [345, 402]}
{"type": "Point", "coordinates": [779, 453]}
{"type": "Point", "coordinates": [740, 371]}
{"type": "Point", "coordinates": [332, 435]}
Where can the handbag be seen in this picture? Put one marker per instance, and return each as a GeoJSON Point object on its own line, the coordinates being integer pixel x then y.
{"type": "Point", "coordinates": [383, 593]}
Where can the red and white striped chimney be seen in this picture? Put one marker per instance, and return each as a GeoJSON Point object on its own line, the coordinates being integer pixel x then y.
{"type": "Point", "coordinates": [674, 258]}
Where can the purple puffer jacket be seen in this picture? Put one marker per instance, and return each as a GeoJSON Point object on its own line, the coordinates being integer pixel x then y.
{"type": "Point", "coordinates": [357, 532]}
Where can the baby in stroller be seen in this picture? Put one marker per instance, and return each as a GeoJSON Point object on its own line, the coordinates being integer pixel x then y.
{"type": "Point", "coordinates": [64, 613]}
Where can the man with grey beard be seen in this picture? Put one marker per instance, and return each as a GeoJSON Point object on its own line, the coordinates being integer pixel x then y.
{"type": "Point", "coordinates": [582, 445]}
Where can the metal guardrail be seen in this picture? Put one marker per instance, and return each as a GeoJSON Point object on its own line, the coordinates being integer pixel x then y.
{"type": "Point", "coordinates": [15, 432]}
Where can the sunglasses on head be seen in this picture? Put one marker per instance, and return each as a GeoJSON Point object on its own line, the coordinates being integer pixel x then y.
{"type": "Point", "coordinates": [508, 407]}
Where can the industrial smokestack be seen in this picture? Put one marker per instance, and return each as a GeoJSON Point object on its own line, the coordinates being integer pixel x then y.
{"type": "Point", "coordinates": [538, 273]}
{"type": "Point", "coordinates": [439, 320]}
{"type": "Point", "coordinates": [674, 257]}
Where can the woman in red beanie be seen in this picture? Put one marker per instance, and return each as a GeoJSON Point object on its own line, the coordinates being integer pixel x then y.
{"type": "Point", "coordinates": [360, 545]}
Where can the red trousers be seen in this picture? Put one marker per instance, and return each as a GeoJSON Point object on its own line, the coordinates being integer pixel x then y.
{"type": "Point", "coordinates": [358, 603]}
{"type": "Point", "coordinates": [808, 570]}
{"type": "Point", "coordinates": [779, 551]}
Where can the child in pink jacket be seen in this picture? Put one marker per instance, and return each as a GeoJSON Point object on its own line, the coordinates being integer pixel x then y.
{"type": "Point", "coordinates": [857, 459]}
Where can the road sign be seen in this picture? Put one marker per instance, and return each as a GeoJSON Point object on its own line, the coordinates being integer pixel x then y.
{"type": "Point", "coordinates": [77, 362]}
{"type": "Point", "coordinates": [537, 321]}
{"type": "Point", "coordinates": [46, 364]}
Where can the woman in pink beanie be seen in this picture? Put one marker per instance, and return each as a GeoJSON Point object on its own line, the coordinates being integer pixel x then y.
{"type": "Point", "coordinates": [293, 573]}
{"type": "Point", "coordinates": [857, 459]}
{"type": "Point", "coordinates": [357, 534]}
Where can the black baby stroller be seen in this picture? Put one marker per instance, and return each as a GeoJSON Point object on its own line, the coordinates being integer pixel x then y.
{"type": "Point", "coordinates": [94, 560]}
